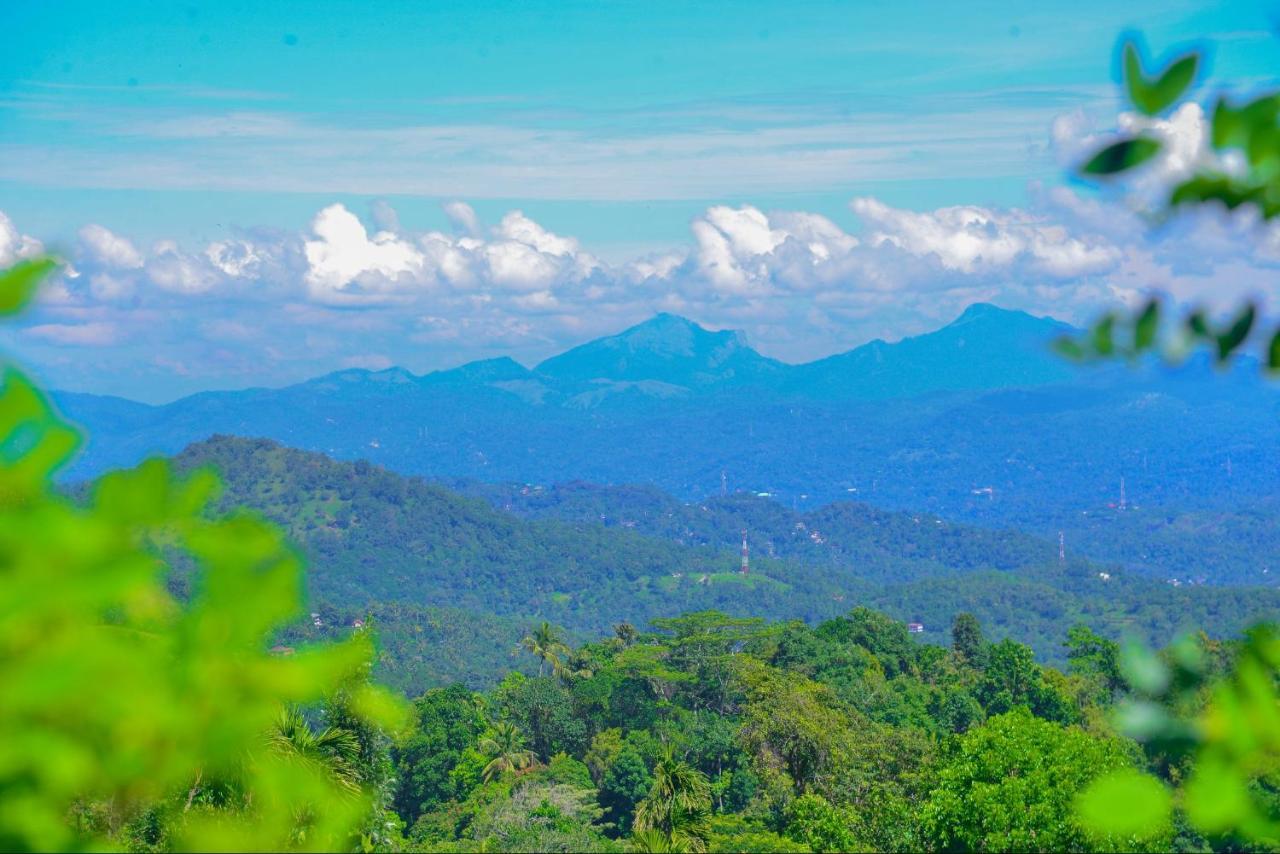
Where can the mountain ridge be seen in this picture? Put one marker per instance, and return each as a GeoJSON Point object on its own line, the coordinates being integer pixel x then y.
{"type": "Point", "coordinates": [976, 421]}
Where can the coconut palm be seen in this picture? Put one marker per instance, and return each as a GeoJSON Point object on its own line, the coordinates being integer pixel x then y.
{"type": "Point", "coordinates": [545, 642]}
{"type": "Point", "coordinates": [678, 805]}
{"type": "Point", "coordinates": [335, 750]}
{"type": "Point", "coordinates": [504, 745]}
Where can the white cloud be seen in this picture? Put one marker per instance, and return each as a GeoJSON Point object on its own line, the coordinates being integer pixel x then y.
{"type": "Point", "coordinates": [970, 238]}
{"type": "Point", "coordinates": [518, 265]}
{"type": "Point", "coordinates": [463, 218]}
{"type": "Point", "coordinates": [104, 248]}
{"type": "Point", "coordinates": [234, 258]}
{"type": "Point", "coordinates": [343, 254]}
{"type": "Point", "coordinates": [14, 245]}
{"type": "Point", "coordinates": [798, 282]}
{"type": "Point", "coordinates": [173, 270]}
{"type": "Point", "coordinates": [75, 335]}
{"type": "Point", "coordinates": [516, 226]}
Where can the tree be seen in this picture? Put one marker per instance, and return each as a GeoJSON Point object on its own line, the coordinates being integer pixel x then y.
{"type": "Point", "coordinates": [678, 804]}
{"type": "Point", "coordinates": [813, 821]}
{"type": "Point", "coordinates": [546, 644]}
{"type": "Point", "coordinates": [967, 640]}
{"type": "Point", "coordinates": [1011, 784]}
{"type": "Point", "coordinates": [624, 784]}
{"type": "Point", "coordinates": [336, 751]}
{"type": "Point", "coordinates": [542, 709]}
{"type": "Point", "coordinates": [448, 722]}
{"type": "Point", "coordinates": [504, 745]}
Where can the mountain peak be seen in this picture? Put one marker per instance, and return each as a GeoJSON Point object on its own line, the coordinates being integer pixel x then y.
{"type": "Point", "coordinates": [985, 312]}
{"type": "Point", "coordinates": [667, 348]}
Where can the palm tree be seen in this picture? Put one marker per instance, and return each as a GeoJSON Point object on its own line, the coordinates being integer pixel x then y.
{"type": "Point", "coordinates": [657, 842]}
{"type": "Point", "coordinates": [504, 746]}
{"type": "Point", "coordinates": [335, 750]}
{"type": "Point", "coordinates": [545, 642]}
{"type": "Point", "coordinates": [678, 805]}
{"type": "Point", "coordinates": [626, 633]}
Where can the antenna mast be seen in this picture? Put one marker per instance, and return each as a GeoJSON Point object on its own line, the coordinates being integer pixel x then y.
{"type": "Point", "coordinates": [1062, 548]}
{"type": "Point", "coordinates": [745, 565]}
{"type": "Point", "coordinates": [1123, 503]}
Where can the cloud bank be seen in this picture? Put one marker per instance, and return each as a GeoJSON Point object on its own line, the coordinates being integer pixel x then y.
{"type": "Point", "coordinates": [270, 306]}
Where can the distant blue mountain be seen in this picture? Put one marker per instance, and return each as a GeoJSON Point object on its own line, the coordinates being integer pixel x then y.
{"type": "Point", "coordinates": [666, 349]}
{"type": "Point", "coordinates": [977, 420]}
{"type": "Point", "coordinates": [986, 347]}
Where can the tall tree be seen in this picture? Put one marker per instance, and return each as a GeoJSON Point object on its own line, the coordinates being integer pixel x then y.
{"type": "Point", "coordinates": [678, 804]}
{"type": "Point", "coordinates": [547, 645]}
{"type": "Point", "coordinates": [966, 638]}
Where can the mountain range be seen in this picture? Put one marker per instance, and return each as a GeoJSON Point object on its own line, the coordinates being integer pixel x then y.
{"type": "Point", "coordinates": [978, 420]}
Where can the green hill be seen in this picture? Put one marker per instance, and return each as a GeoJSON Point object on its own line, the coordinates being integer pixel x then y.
{"type": "Point", "coordinates": [414, 553]}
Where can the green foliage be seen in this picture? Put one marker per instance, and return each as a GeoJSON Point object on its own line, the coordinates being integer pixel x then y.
{"type": "Point", "coordinates": [504, 747]}
{"type": "Point", "coordinates": [819, 826]}
{"type": "Point", "coordinates": [448, 721]}
{"type": "Point", "coordinates": [733, 834]}
{"type": "Point", "coordinates": [1227, 726]}
{"type": "Point", "coordinates": [966, 638]}
{"type": "Point", "coordinates": [1249, 131]}
{"type": "Point", "coordinates": [123, 707]}
{"type": "Point", "coordinates": [1126, 805]}
{"type": "Point", "coordinates": [1152, 96]}
{"type": "Point", "coordinates": [624, 784]}
{"type": "Point", "coordinates": [542, 708]}
{"type": "Point", "coordinates": [18, 284]}
{"type": "Point", "coordinates": [1122, 155]}
{"type": "Point", "coordinates": [678, 804]}
{"type": "Point", "coordinates": [1010, 785]}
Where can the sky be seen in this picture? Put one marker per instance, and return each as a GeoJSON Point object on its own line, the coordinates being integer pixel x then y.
{"type": "Point", "coordinates": [256, 193]}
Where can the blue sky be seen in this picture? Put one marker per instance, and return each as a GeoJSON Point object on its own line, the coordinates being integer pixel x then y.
{"type": "Point", "coordinates": [615, 126]}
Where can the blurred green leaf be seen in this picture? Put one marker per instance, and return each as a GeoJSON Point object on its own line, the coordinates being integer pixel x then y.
{"type": "Point", "coordinates": [1216, 797]}
{"type": "Point", "coordinates": [1236, 333]}
{"type": "Point", "coordinates": [1142, 720]}
{"type": "Point", "coordinates": [1143, 669]}
{"type": "Point", "coordinates": [1153, 97]}
{"type": "Point", "coordinates": [1146, 326]}
{"type": "Point", "coordinates": [1273, 352]}
{"type": "Point", "coordinates": [1069, 348]}
{"type": "Point", "coordinates": [1212, 187]}
{"type": "Point", "coordinates": [1103, 335]}
{"type": "Point", "coordinates": [1197, 324]}
{"type": "Point", "coordinates": [114, 693]}
{"type": "Point", "coordinates": [1126, 804]}
{"type": "Point", "coordinates": [18, 284]}
{"type": "Point", "coordinates": [1121, 155]}
{"type": "Point", "coordinates": [1235, 127]}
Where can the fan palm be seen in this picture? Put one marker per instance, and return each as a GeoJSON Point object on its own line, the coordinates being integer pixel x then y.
{"type": "Point", "coordinates": [504, 745]}
{"type": "Point", "coordinates": [678, 805]}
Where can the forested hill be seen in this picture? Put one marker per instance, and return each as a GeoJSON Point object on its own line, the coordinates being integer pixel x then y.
{"type": "Point", "coordinates": [378, 541]}
{"type": "Point", "coordinates": [977, 421]}
{"type": "Point", "coordinates": [1225, 546]}
{"type": "Point", "coordinates": [886, 545]}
